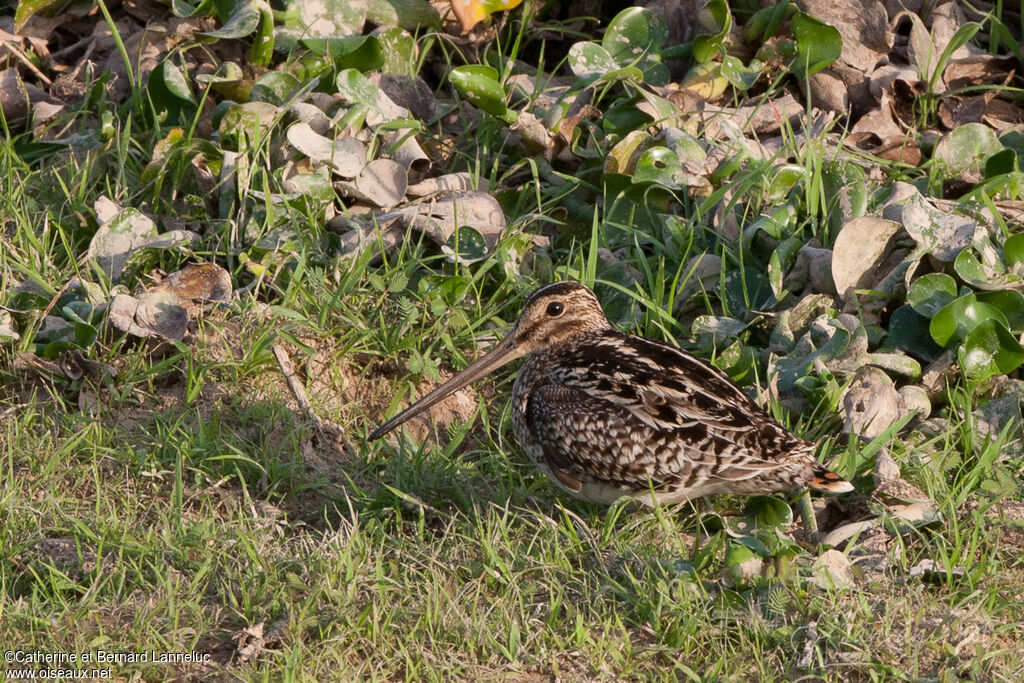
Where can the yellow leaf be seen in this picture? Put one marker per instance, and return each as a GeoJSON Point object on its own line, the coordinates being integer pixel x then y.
{"type": "Point", "coordinates": [472, 12]}
{"type": "Point", "coordinates": [706, 80]}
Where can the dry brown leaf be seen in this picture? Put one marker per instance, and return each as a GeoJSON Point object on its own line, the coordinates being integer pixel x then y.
{"type": "Point", "coordinates": [409, 92]}
{"type": "Point", "coordinates": [871, 403]}
{"type": "Point", "coordinates": [859, 250]}
{"type": "Point", "coordinates": [346, 156]}
{"type": "Point", "coordinates": [200, 283]}
{"type": "Point", "coordinates": [157, 314]}
{"type": "Point", "coordinates": [981, 69]}
{"type": "Point", "coordinates": [382, 182]}
{"type": "Point", "coordinates": [451, 182]}
{"type": "Point", "coordinates": [828, 91]}
{"type": "Point", "coordinates": [20, 101]}
{"type": "Point", "coordinates": [955, 111]}
{"type": "Point", "coordinates": [831, 570]}
{"type": "Point", "coordinates": [1002, 115]}
{"type": "Point", "coordinates": [762, 119]}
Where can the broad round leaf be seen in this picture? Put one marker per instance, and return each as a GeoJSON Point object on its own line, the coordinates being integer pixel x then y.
{"type": "Point", "coordinates": [990, 349]}
{"type": "Point", "coordinates": [275, 87]}
{"type": "Point", "coordinates": [589, 59]}
{"type": "Point", "coordinates": [1000, 163]}
{"type": "Point", "coordinates": [747, 290]}
{"type": "Point", "coordinates": [956, 319]}
{"type": "Point", "coordinates": [928, 294]}
{"type": "Point", "coordinates": [785, 179]}
{"type": "Point", "coordinates": [768, 512]}
{"type": "Point", "coordinates": [707, 46]}
{"type": "Point", "coordinates": [169, 92]}
{"type": "Point", "coordinates": [965, 149]}
{"type": "Point", "coordinates": [972, 271]}
{"type": "Point", "coordinates": [846, 193]}
{"type": "Point", "coordinates": [467, 245]}
{"type": "Point", "coordinates": [399, 50]}
{"type": "Point", "coordinates": [943, 234]}
{"type": "Point", "coordinates": [357, 90]}
{"type": "Point", "coordinates": [1009, 301]}
{"type": "Point", "coordinates": [817, 44]}
{"type": "Point", "coordinates": [362, 53]}
{"type": "Point", "coordinates": [739, 76]}
{"type": "Point", "coordinates": [243, 20]}
{"type": "Point", "coordinates": [635, 37]}
{"type": "Point", "coordinates": [739, 361]}
{"type": "Point", "coordinates": [658, 165]}
{"type": "Point", "coordinates": [1013, 249]}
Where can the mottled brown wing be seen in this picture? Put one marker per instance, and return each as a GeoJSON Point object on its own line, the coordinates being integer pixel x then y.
{"type": "Point", "coordinates": [582, 434]}
{"type": "Point", "coordinates": [662, 386]}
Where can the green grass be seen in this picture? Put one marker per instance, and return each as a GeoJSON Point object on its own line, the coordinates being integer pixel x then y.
{"type": "Point", "coordinates": [190, 526]}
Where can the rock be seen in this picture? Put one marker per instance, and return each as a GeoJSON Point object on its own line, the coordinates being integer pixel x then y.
{"type": "Point", "coordinates": [832, 571]}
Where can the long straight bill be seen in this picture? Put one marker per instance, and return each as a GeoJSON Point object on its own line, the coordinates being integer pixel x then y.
{"type": "Point", "coordinates": [505, 352]}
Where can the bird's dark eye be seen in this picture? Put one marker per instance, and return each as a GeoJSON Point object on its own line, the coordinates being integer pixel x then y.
{"type": "Point", "coordinates": [555, 309]}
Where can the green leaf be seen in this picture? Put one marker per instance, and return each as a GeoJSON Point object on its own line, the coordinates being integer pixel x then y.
{"type": "Point", "coordinates": [941, 233]}
{"type": "Point", "coordinates": [765, 23]}
{"type": "Point", "coordinates": [169, 92]}
{"type": "Point", "coordinates": [1013, 249]}
{"type": "Point", "coordinates": [743, 548]}
{"type": "Point", "coordinates": [623, 117]}
{"type": "Point", "coordinates": [981, 276]}
{"type": "Point", "coordinates": [707, 46]}
{"type": "Point", "coordinates": [243, 20]}
{"type": "Point", "coordinates": [588, 59]}
{"type": "Point", "coordinates": [467, 245]}
{"type": "Point", "coordinates": [782, 259]}
{"type": "Point", "coordinates": [29, 8]}
{"type": "Point", "coordinates": [635, 37]}
{"type": "Point", "coordinates": [362, 53]}
{"type": "Point", "coordinates": [747, 289]}
{"type": "Point", "coordinates": [658, 165]}
{"type": "Point", "coordinates": [399, 50]}
{"type": "Point", "coordinates": [1000, 163]}
{"type": "Point", "coordinates": [965, 149]}
{"type": "Point", "coordinates": [786, 178]}
{"type": "Point", "coordinates": [739, 361]}
{"type": "Point", "coordinates": [767, 512]}
{"type": "Point", "coordinates": [817, 44]}
{"type": "Point", "coordinates": [990, 349]}
{"type": "Point", "coordinates": [1009, 302]}
{"type": "Point", "coordinates": [262, 49]}
{"type": "Point", "coordinates": [739, 76]}
{"type": "Point", "coordinates": [664, 109]}
{"type": "Point", "coordinates": [956, 319]}
{"type": "Point", "coordinates": [367, 99]}
{"type": "Point", "coordinates": [479, 84]}
{"type": "Point", "coordinates": [275, 87]}
{"type": "Point", "coordinates": [931, 292]}
{"type": "Point", "coordinates": [846, 193]}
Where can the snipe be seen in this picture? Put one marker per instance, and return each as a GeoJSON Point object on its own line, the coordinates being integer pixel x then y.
{"type": "Point", "coordinates": [607, 415]}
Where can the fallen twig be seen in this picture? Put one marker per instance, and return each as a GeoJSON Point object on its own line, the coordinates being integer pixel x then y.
{"type": "Point", "coordinates": [299, 392]}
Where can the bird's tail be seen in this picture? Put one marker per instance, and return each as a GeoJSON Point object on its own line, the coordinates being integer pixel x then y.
{"type": "Point", "coordinates": [827, 481]}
